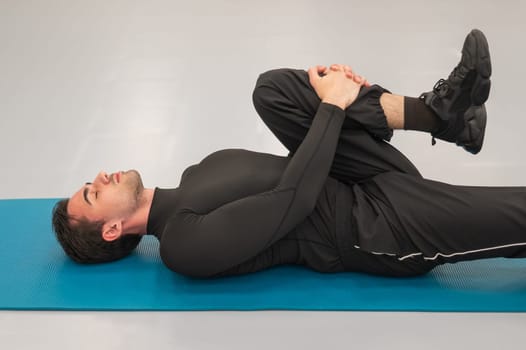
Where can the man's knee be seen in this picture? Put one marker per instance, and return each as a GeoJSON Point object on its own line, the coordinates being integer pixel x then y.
{"type": "Point", "coordinates": [273, 77]}
{"type": "Point", "coordinates": [267, 87]}
{"type": "Point", "coordinates": [282, 77]}
{"type": "Point", "coordinates": [274, 83]}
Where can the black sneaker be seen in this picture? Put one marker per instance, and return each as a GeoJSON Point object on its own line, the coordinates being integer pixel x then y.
{"type": "Point", "coordinates": [467, 86]}
{"type": "Point", "coordinates": [471, 134]}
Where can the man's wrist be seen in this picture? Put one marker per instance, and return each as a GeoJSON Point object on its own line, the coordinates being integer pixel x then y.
{"type": "Point", "coordinates": [337, 102]}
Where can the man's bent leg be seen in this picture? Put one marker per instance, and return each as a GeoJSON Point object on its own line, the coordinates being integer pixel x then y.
{"type": "Point", "coordinates": [287, 103]}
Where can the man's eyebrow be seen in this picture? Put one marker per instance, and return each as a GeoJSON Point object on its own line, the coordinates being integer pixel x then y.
{"type": "Point", "coordinates": [86, 193]}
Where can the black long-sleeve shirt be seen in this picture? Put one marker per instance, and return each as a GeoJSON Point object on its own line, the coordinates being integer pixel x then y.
{"type": "Point", "coordinates": [236, 204]}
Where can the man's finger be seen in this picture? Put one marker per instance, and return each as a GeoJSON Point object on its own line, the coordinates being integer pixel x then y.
{"type": "Point", "coordinates": [313, 75]}
{"type": "Point", "coordinates": [322, 70]}
{"type": "Point", "coordinates": [347, 68]}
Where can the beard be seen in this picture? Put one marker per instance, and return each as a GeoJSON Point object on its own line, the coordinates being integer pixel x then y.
{"type": "Point", "coordinates": [134, 187]}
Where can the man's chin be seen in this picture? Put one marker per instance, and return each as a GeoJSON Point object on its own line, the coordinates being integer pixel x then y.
{"type": "Point", "coordinates": [132, 172]}
{"type": "Point", "coordinates": [135, 180]}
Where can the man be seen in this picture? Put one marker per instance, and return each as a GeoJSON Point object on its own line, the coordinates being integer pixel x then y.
{"type": "Point", "coordinates": [343, 200]}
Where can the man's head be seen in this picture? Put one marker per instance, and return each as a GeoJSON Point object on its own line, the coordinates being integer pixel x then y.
{"type": "Point", "coordinates": [91, 225]}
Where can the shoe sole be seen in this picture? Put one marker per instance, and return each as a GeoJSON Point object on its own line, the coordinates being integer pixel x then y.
{"type": "Point", "coordinates": [472, 136]}
{"type": "Point", "coordinates": [476, 45]}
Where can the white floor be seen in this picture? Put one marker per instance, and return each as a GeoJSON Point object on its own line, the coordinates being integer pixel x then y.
{"type": "Point", "coordinates": [260, 330]}
{"type": "Point", "coordinates": [157, 85]}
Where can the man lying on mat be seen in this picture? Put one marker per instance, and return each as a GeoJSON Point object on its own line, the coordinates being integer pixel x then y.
{"type": "Point", "coordinates": [344, 199]}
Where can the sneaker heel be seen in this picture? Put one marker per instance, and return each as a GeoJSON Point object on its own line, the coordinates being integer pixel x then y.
{"type": "Point", "coordinates": [475, 124]}
{"type": "Point", "coordinates": [480, 92]}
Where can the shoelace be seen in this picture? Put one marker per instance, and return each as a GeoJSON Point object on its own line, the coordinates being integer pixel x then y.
{"type": "Point", "coordinates": [459, 72]}
{"type": "Point", "coordinates": [442, 88]}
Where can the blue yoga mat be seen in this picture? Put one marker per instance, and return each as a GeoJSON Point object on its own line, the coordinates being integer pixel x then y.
{"type": "Point", "coordinates": [36, 275]}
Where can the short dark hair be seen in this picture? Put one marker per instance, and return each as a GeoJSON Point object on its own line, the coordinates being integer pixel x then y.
{"type": "Point", "coordinates": [82, 239]}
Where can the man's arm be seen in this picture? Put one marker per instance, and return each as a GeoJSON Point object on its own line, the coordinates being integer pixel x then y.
{"type": "Point", "coordinates": [203, 245]}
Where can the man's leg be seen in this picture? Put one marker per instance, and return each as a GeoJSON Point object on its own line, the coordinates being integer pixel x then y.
{"type": "Point", "coordinates": [436, 223]}
{"type": "Point", "coordinates": [287, 103]}
{"type": "Point", "coordinates": [453, 111]}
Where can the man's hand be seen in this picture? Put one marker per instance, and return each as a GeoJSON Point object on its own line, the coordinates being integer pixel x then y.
{"type": "Point", "coordinates": [335, 87]}
{"type": "Point", "coordinates": [322, 70]}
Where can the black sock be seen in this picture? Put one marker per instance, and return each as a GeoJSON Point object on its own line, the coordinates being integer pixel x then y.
{"type": "Point", "coordinates": [417, 116]}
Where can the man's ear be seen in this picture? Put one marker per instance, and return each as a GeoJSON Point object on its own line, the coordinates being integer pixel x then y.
{"type": "Point", "coordinates": [112, 230]}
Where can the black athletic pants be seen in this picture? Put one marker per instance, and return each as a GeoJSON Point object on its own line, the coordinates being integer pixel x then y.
{"type": "Point", "coordinates": [426, 222]}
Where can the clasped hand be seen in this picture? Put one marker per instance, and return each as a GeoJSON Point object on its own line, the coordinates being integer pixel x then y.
{"type": "Point", "coordinates": [337, 85]}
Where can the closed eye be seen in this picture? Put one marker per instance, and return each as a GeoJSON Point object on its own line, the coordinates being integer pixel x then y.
{"type": "Point", "coordinates": [86, 190]}
{"type": "Point", "coordinates": [85, 193]}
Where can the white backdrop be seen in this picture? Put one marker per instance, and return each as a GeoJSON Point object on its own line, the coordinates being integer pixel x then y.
{"type": "Point", "coordinates": [157, 85]}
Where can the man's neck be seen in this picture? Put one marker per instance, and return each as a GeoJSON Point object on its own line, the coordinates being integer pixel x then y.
{"type": "Point", "coordinates": [138, 222]}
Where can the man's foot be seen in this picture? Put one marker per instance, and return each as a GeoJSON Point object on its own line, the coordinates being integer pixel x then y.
{"type": "Point", "coordinates": [454, 99]}
{"type": "Point", "coordinates": [472, 135]}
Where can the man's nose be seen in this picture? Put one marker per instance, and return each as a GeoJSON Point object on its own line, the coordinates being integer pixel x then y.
{"type": "Point", "coordinates": [103, 178]}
